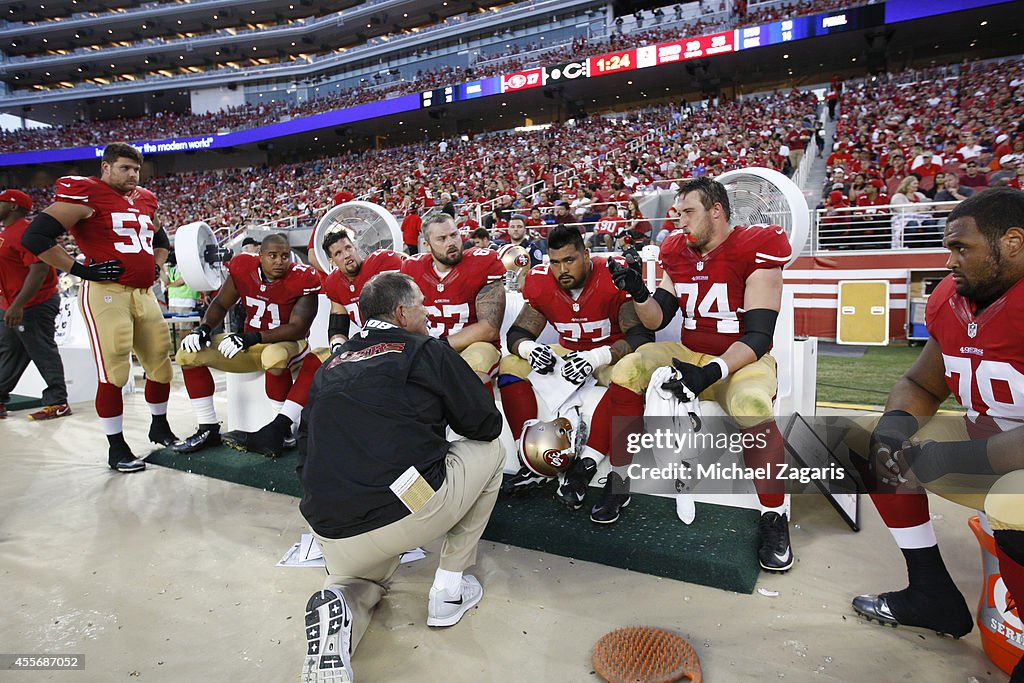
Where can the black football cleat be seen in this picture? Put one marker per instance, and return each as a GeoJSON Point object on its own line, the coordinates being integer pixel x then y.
{"type": "Point", "coordinates": [775, 553]}
{"type": "Point", "coordinates": [267, 440]}
{"type": "Point", "coordinates": [160, 433]}
{"type": "Point", "coordinates": [947, 615]}
{"type": "Point", "coordinates": [290, 443]}
{"type": "Point", "coordinates": [573, 488]}
{"type": "Point", "coordinates": [614, 497]}
{"type": "Point", "coordinates": [236, 439]}
{"type": "Point", "coordinates": [120, 458]}
{"type": "Point", "coordinates": [523, 480]}
{"type": "Point", "coordinates": [205, 436]}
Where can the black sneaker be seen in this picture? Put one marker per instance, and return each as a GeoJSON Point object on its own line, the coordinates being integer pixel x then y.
{"type": "Point", "coordinates": [947, 614]}
{"type": "Point", "coordinates": [523, 480]}
{"type": "Point", "coordinates": [290, 442]}
{"type": "Point", "coordinates": [573, 488]}
{"type": "Point", "coordinates": [121, 459]}
{"type": "Point", "coordinates": [205, 436]}
{"type": "Point", "coordinates": [614, 497]}
{"type": "Point", "coordinates": [160, 433]}
{"type": "Point", "coordinates": [775, 553]}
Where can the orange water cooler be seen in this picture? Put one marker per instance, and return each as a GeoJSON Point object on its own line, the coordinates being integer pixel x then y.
{"type": "Point", "coordinates": [1002, 633]}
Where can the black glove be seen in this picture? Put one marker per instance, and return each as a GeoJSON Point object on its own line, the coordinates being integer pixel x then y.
{"type": "Point", "coordinates": [233, 344]}
{"type": "Point", "coordinates": [691, 380]}
{"type": "Point", "coordinates": [98, 272]}
{"type": "Point", "coordinates": [629, 280]}
{"type": "Point", "coordinates": [893, 429]}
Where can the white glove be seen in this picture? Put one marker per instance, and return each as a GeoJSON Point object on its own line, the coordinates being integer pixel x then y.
{"type": "Point", "coordinates": [196, 340]}
{"type": "Point", "coordinates": [579, 365]}
{"type": "Point", "coordinates": [233, 344]}
{"type": "Point", "coordinates": [540, 356]}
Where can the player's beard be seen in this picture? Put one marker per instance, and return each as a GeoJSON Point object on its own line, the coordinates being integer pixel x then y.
{"type": "Point", "coordinates": [989, 286]}
{"type": "Point", "coordinates": [447, 258]}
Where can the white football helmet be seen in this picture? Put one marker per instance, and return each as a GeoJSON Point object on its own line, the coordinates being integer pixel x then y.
{"type": "Point", "coordinates": [547, 448]}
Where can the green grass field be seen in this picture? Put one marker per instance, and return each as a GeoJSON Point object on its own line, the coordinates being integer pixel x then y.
{"type": "Point", "coordinates": [866, 380]}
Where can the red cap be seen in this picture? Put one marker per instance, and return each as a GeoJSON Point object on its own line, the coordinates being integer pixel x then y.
{"type": "Point", "coordinates": [17, 197]}
{"type": "Point", "coordinates": [836, 197]}
{"type": "Point", "coordinates": [877, 183]}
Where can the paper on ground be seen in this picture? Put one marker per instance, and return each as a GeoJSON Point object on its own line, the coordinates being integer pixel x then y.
{"type": "Point", "coordinates": [307, 553]}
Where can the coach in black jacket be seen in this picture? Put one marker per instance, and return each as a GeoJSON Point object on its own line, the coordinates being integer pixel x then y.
{"type": "Point", "coordinates": [379, 477]}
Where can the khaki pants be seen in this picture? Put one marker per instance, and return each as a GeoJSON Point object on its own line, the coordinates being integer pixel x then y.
{"type": "Point", "coordinates": [1001, 496]}
{"type": "Point", "coordinates": [747, 395]}
{"type": "Point", "coordinates": [362, 566]}
{"type": "Point", "coordinates": [121, 320]}
{"type": "Point", "coordinates": [256, 358]}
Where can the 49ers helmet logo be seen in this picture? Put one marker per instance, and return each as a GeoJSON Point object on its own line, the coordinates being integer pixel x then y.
{"type": "Point", "coordinates": [555, 458]}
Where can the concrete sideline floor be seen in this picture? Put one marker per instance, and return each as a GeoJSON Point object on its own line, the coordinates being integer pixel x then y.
{"type": "Point", "coordinates": [168, 576]}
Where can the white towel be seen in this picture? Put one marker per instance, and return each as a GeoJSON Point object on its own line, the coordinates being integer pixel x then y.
{"type": "Point", "coordinates": [685, 418]}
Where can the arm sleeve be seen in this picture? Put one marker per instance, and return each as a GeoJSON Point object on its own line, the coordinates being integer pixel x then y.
{"type": "Point", "coordinates": [42, 233]}
{"type": "Point", "coordinates": [160, 240]}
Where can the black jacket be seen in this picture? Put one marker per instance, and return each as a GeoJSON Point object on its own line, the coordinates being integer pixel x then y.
{"type": "Point", "coordinates": [376, 407]}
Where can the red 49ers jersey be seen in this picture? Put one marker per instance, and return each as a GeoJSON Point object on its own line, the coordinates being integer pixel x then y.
{"type": "Point", "coordinates": [268, 303]}
{"type": "Point", "coordinates": [451, 301]}
{"type": "Point", "coordinates": [587, 322]}
{"type": "Point", "coordinates": [341, 290]}
{"type": "Point", "coordinates": [610, 226]}
{"type": "Point", "coordinates": [711, 287]}
{"type": "Point", "coordinates": [982, 354]}
{"type": "Point", "coordinates": [14, 264]}
{"type": "Point", "coordinates": [120, 227]}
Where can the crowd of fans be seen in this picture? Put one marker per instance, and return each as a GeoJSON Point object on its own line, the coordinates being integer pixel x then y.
{"type": "Point", "coordinates": [597, 161]}
{"type": "Point", "coordinates": [909, 139]}
{"type": "Point", "coordinates": [169, 124]}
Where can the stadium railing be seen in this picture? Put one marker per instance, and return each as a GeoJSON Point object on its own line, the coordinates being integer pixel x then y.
{"type": "Point", "coordinates": [892, 226]}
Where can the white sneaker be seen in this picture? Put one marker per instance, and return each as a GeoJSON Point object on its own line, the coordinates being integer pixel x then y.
{"type": "Point", "coordinates": [328, 639]}
{"type": "Point", "coordinates": [445, 609]}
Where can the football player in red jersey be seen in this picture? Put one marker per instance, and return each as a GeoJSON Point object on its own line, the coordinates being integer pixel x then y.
{"type": "Point", "coordinates": [464, 294]}
{"type": "Point", "coordinates": [113, 222]}
{"type": "Point", "coordinates": [728, 283]}
{"type": "Point", "coordinates": [597, 325]}
{"type": "Point", "coordinates": [29, 305]}
{"type": "Point", "coordinates": [351, 271]}
{"type": "Point", "coordinates": [975, 353]}
{"type": "Point", "coordinates": [280, 300]}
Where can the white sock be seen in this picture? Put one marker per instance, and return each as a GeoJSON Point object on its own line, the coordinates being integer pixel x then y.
{"type": "Point", "coordinates": [158, 408]}
{"type": "Point", "coordinates": [205, 412]}
{"type": "Point", "coordinates": [622, 471]}
{"type": "Point", "coordinates": [111, 425]}
{"type": "Point", "coordinates": [450, 582]}
{"type": "Point", "coordinates": [913, 537]}
{"type": "Point", "coordinates": [291, 410]}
